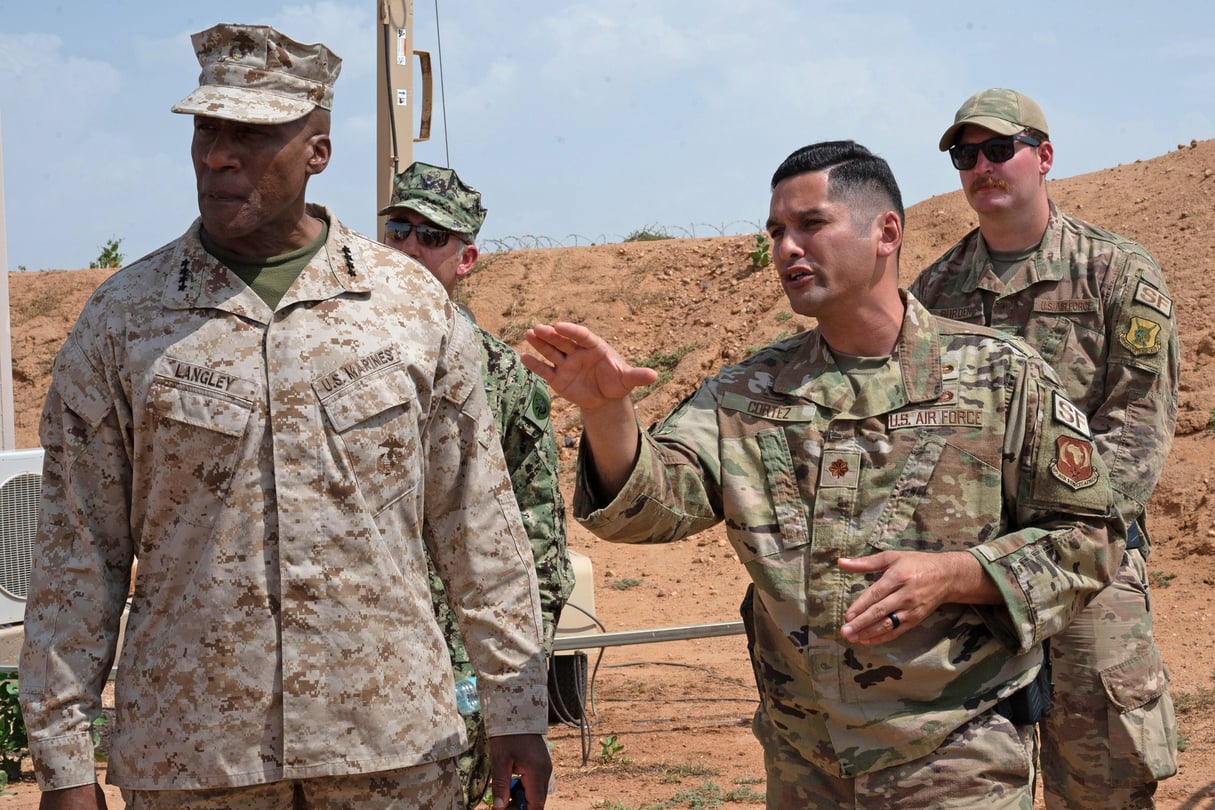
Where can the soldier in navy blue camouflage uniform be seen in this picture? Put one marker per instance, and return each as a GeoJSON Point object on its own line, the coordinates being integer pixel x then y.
{"type": "Point", "coordinates": [434, 217]}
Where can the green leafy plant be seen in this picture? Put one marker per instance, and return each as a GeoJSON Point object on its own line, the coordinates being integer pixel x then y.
{"type": "Point", "coordinates": [625, 583]}
{"type": "Point", "coordinates": [1211, 421]}
{"type": "Point", "coordinates": [610, 750]}
{"type": "Point", "coordinates": [110, 256]}
{"type": "Point", "coordinates": [1161, 579]}
{"type": "Point", "coordinates": [14, 744]}
{"type": "Point", "coordinates": [761, 255]}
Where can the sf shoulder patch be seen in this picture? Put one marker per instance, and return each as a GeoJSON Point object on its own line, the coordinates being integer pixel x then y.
{"type": "Point", "coordinates": [1147, 294]}
{"type": "Point", "coordinates": [1073, 462]}
{"type": "Point", "coordinates": [1068, 414]}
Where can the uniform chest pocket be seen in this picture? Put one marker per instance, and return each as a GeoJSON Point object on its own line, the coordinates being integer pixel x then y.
{"type": "Point", "coordinates": [200, 431]}
{"type": "Point", "coordinates": [943, 499]}
{"type": "Point", "coordinates": [1062, 336]}
{"type": "Point", "coordinates": [766, 512]}
{"type": "Point", "coordinates": [377, 423]}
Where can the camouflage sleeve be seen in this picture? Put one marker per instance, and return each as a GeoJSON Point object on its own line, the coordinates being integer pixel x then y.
{"type": "Point", "coordinates": [1133, 426]}
{"type": "Point", "coordinates": [531, 457]}
{"type": "Point", "coordinates": [1067, 542]}
{"type": "Point", "coordinates": [80, 574]}
{"type": "Point", "coordinates": [673, 491]}
{"type": "Point", "coordinates": [475, 538]}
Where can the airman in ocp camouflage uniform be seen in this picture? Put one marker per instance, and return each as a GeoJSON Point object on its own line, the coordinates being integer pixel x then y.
{"type": "Point", "coordinates": [916, 501]}
{"type": "Point", "coordinates": [1096, 307]}
{"type": "Point", "coordinates": [429, 206]}
{"type": "Point", "coordinates": [281, 419]}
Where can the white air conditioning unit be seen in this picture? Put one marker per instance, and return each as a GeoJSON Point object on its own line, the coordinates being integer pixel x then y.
{"type": "Point", "coordinates": [20, 488]}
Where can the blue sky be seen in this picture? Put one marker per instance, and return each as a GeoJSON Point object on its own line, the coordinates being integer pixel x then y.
{"type": "Point", "coordinates": [579, 121]}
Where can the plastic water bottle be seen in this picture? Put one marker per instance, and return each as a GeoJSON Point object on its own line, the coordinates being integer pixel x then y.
{"type": "Point", "coordinates": [518, 798]}
{"type": "Point", "coordinates": [467, 700]}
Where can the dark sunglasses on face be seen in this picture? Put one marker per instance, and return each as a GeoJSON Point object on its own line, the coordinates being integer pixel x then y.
{"type": "Point", "coordinates": [429, 236]}
{"type": "Point", "coordinates": [997, 150]}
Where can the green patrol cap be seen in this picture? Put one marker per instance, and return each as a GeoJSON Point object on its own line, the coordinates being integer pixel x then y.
{"type": "Point", "coordinates": [439, 195]}
{"type": "Point", "coordinates": [1004, 112]}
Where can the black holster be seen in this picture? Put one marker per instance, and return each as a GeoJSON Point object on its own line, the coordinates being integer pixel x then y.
{"type": "Point", "coordinates": [1031, 702]}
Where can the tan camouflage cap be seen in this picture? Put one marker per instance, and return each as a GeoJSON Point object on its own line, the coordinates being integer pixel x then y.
{"type": "Point", "coordinates": [254, 74]}
{"type": "Point", "coordinates": [1004, 112]}
{"type": "Point", "coordinates": [439, 195]}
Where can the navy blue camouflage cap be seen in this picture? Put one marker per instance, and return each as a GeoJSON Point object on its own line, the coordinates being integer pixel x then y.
{"type": "Point", "coordinates": [1004, 112]}
{"type": "Point", "coordinates": [257, 75]}
{"type": "Point", "coordinates": [438, 194]}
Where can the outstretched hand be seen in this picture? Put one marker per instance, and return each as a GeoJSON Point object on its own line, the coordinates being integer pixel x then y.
{"type": "Point", "coordinates": [582, 367]}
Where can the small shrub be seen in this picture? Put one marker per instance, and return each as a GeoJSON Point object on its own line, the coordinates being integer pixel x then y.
{"type": "Point", "coordinates": [625, 583]}
{"type": "Point", "coordinates": [1211, 421]}
{"type": "Point", "coordinates": [611, 750]}
{"type": "Point", "coordinates": [110, 256]}
{"type": "Point", "coordinates": [44, 304]}
{"type": "Point", "coordinates": [651, 233]}
{"type": "Point", "coordinates": [14, 744]}
{"type": "Point", "coordinates": [1185, 703]}
{"type": "Point", "coordinates": [677, 773]}
{"type": "Point", "coordinates": [761, 255]}
{"type": "Point", "coordinates": [1161, 579]}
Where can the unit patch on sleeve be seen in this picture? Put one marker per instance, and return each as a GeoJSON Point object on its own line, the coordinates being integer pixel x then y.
{"type": "Point", "coordinates": [1142, 335]}
{"type": "Point", "coordinates": [1073, 462]}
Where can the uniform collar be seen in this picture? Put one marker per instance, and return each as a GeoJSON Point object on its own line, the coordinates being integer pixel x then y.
{"type": "Point", "coordinates": [912, 375]}
{"type": "Point", "coordinates": [197, 279]}
{"type": "Point", "coordinates": [1042, 266]}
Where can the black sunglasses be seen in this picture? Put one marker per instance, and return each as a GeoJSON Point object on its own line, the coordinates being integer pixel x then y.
{"type": "Point", "coordinates": [429, 236]}
{"type": "Point", "coordinates": [997, 150]}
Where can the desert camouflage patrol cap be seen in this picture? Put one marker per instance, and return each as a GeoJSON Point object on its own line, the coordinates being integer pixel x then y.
{"type": "Point", "coordinates": [254, 74]}
{"type": "Point", "coordinates": [1004, 112]}
{"type": "Point", "coordinates": [439, 195]}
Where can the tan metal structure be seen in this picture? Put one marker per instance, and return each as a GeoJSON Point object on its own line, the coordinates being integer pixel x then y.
{"type": "Point", "coordinates": [395, 100]}
{"type": "Point", "coordinates": [7, 430]}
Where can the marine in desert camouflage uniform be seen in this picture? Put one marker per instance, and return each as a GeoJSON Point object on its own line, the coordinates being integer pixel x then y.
{"type": "Point", "coordinates": [437, 200]}
{"type": "Point", "coordinates": [1095, 305]}
{"type": "Point", "coordinates": [916, 501]}
{"type": "Point", "coordinates": [279, 417]}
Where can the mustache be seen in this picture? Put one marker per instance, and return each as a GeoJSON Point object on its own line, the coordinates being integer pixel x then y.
{"type": "Point", "coordinates": [981, 183]}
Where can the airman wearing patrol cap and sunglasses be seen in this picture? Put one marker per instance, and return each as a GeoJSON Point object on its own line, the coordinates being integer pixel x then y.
{"type": "Point", "coordinates": [1096, 306]}
{"type": "Point", "coordinates": [434, 216]}
{"type": "Point", "coordinates": [280, 418]}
